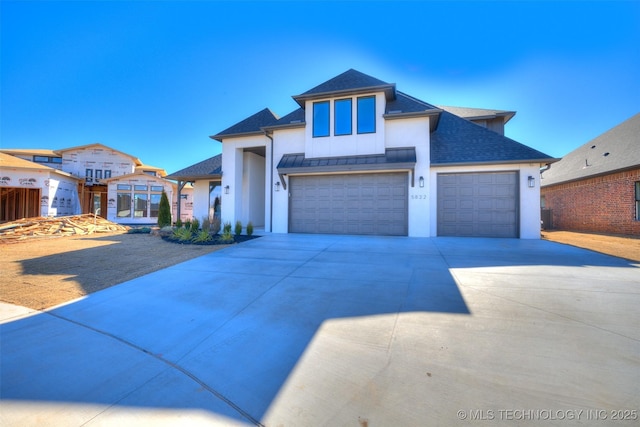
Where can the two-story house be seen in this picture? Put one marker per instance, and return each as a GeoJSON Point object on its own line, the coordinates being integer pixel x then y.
{"type": "Point", "coordinates": [360, 157]}
{"type": "Point", "coordinates": [91, 178]}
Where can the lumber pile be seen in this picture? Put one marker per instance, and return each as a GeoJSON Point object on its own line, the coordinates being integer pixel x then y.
{"type": "Point", "coordinates": [57, 226]}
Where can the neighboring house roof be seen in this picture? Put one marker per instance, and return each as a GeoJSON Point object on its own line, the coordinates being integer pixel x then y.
{"type": "Point", "coordinates": [351, 81]}
{"type": "Point", "coordinates": [142, 168]}
{"type": "Point", "coordinates": [250, 126]}
{"type": "Point", "coordinates": [31, 152]}
{"type": "Point", "coordinates": [98, 145]}
{"type": "Point", "coordinates": [459, 141]}
{"type": "Point", "coordinates": [615, 150]}
{"type": "Point", "coordinates": [206, 169]}
{"type": "Point", "coordinates": [12, 162]}
{"type": "Point", "coordinates": [478, 113]}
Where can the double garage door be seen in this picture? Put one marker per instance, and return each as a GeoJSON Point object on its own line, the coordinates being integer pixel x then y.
{"type": "Point", "coordinates": [365, 203]}
{"type": "Point", "coordinates": [469, 204]}
{"type": "Point", "coordinates": [478, 204]}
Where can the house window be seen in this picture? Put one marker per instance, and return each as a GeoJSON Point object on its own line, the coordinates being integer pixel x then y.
{"type": "Point", "coordinates": [367, 114]}
{"type": "Point", "coordinates": [88, 173]}
{"type": "Point", "coordinates": [320, 119]}
{"type": "Point", "coordinates": [124, 203]}
{"type": "Point", "coordinates": [638, 200]}
{"type": "Point", "coordinates": [140, 205]}
{"type": "Point", "coordinates": [342, 122]}
{"type": "Point", "coordinates": [56, 159]}
{"type": "Point", "coordinates": [107, 173]}
{"type": "Point", "coordinates": [98, 174]}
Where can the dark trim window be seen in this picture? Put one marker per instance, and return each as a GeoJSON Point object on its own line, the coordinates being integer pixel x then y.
{"type": "Point", "coordinates": [320, 119]}
{"type": "Point", "coordinates": [637, 200]}
{"type": "Point", "coordinates": [342, 121]}
{"type": "Point", "coordinates": [107, 173]}
{"type": "Point", "coordinates": [367, 114]}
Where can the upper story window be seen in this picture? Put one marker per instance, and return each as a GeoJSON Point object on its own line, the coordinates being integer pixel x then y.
{"type": "Point", "coordinates": [342, 121]}
{"type": "Point", "coordinates": [320, 119]}
{"type": "Point", "coordinates": [367, 114]}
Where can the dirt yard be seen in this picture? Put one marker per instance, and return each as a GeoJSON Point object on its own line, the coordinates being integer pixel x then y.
{"type": "Point", "coordinates": [45, 272]}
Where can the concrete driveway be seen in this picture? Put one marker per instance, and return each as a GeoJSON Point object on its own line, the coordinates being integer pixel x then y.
{"type": "Point", "coordinates": [306, 330]}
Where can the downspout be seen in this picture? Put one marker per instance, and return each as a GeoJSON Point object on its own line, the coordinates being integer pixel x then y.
{"type": "Point", "coordinates": [270, 184]}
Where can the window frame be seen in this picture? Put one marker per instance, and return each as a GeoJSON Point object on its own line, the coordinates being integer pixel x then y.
{"type": "Point", "coordinates": [318, 120]}
{"type": "Point", "coordinates": [337, 114]}
{"type": "Point", "coordinates": [637, 197]}
{"type": "Point", "coordinates": [363, 127]}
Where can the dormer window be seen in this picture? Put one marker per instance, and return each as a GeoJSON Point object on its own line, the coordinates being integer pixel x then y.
{"type": "Point", "coordinates": [343, 123]}
{"type": "Point", "coordinates": [320, 119]}
{"type": "Point", "coordinates": [367, 114]}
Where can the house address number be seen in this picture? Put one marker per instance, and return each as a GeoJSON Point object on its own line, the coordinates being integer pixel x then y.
{"type": "Point", "coordinates": [418, 197]}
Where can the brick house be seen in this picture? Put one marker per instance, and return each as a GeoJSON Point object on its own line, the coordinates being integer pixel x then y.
{"type": "Point", "coordinates": [596, 187]}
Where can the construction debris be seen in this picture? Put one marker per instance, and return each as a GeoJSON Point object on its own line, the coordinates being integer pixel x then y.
{"type": "Point", "coordinates": [57, 226]}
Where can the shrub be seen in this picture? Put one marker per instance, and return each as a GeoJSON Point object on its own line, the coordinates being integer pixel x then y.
{"type": "Point", "coordinates": [164, 211]}
{"type": "Point", "coordinates": [187, 224]}
{"type": "Point", "coordinates": [215, 226]}
{"type": "Point", "coordinates": [179, 223]}
{"type": "Point", "coordinates": [195, 225]}
{"type": "Point", "coordinates": [249, 228]}
{"type": "Point", "coordinates": [226, 236]}
{"type": "Point", "coordinates": [206, 224]}
{"type": "Point", "coordinates": [202, 236]}
{"type": "Point", "coordinates": [181, 234]}
{"type": "Point", "coordinates": [238, 228]}
{"type": "Point", "coordinates": [226, 228]}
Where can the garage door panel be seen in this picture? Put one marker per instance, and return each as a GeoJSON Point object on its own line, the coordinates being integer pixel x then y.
{"type": "Point", "coordinates": [478, 204]}
{"type": "Point", "coordinates": [358, 204]}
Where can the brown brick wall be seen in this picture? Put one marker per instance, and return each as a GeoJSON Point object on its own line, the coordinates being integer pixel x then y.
{"type": "Point", "coordinates": [603, 204]}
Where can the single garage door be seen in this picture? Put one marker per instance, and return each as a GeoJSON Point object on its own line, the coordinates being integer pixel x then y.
{"type": "Point", "coordinates": [478, 204]}
{"type": "Point", "coordinates": [368, 203]}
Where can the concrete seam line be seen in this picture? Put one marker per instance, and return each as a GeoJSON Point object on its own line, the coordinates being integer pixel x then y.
{"type": "Point", "coordinates": [168, 363]}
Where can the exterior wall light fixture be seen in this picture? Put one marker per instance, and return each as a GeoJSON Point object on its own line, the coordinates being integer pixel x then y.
{"type": "Point", "coordinates": [278, 186]}
{"type": "Point", "coordinates": [421, 182]}
{"type": "Point", "coordinates": [531, 181]}
{"type": "Point", "coordinates": [226, 189]}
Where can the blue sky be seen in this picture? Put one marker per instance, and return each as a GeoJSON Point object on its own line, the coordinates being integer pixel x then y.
{"type": "Point", "coordinates": [154, 79]}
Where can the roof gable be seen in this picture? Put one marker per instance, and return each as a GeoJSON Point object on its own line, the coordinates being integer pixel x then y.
{"type": "Point", "coordinates": [249, 126]}
{"type": "Point", "coordinates": [458, 141]}
{"type": "Point", "coordinates": [136, 160]}
{"type": "Point", "coordinates": [351, 81]}
{"type": "Point", "coordinates": [616, 149]}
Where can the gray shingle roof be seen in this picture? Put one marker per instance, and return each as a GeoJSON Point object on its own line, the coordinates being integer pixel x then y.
{"type": "Point", "coordinates": [351, 81]}
{"type": "Point", "coordinates": [478, 113]}
{"type": "Point", "coordinates": [622, 143]}
{"type": "Point", "coordinates": [407, 104]}
{"type": "Point", "coordinates": [250, 125]}
{"type": "Point", "coordinates": [457, 141]}
{"type": "Point", "coordinates": [206, 169]}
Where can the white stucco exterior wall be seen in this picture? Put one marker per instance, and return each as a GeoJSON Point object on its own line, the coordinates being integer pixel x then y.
{"type": "Point", "coordinates": [414, 132]}
{"type": "Point", "coordinates": [285, 141]}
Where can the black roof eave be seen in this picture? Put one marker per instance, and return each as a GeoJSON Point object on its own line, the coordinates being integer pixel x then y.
{"type": "Point", "coordinates": [497, 162]}
{"type": "Point", "coordinates": [389, 90]}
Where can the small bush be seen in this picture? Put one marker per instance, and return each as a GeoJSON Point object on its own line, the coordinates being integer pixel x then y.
{"type": "Point", "coordinates": [215, 226]}
{"type": "Point", "coordinates": [179, 223]}
{"type": "Point", "coordinates": [226, 228]}
{"type": "Point", "coordinates": [206, 224]}
{"type": "Point", "coordinates": [187, 224]}
{"type": "Point", "coordinates": [226, 236]}
{"type": "Point", "coordinates": [182, 234]}
{"type": "Point", "coordinates": [195, 225]}
{"type": "Point", "coordinates": [249, 228]}
{"type": "Point", "coordinates": [202, 236]}
{"type": "Point", "coordinates": [238, 228]}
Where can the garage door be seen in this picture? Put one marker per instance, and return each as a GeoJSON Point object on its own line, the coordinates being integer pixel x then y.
{"type": "Point", "coordinates": [478, 204]}
{"type": "Point", "coordinates": [349, 204]}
